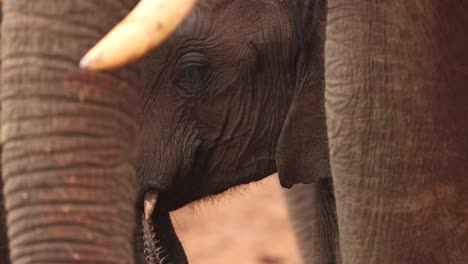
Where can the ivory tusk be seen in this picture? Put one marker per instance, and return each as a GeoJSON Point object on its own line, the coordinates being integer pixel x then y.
{"type": "Point", "coordinates": [151, 198]}
{"type": "Point", "coordinates": [149, 24]}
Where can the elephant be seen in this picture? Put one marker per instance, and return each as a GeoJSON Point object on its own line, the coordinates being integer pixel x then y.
{"type": "Point", "coordinates": [211, 145]}
{"type": "Point", "coordinates": [219, 104]}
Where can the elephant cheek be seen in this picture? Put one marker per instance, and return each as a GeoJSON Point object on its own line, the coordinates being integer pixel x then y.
{"type": "Point", "coordinates": [68, 137]}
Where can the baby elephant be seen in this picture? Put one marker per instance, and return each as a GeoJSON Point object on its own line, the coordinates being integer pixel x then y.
{"type": "Point", "coordinates": [234, 95]}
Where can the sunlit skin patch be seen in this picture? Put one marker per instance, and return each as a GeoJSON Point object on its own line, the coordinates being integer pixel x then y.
{"type": "Point", "coordinates": [147, 26]}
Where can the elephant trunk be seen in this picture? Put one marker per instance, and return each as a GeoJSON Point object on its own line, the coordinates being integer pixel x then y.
{"type": "Point", "coordinates": [156, 239]}
{"type": "Point", "coordinates": [161, 244]}
{"type": "Point", "coordinates": [69, 136]}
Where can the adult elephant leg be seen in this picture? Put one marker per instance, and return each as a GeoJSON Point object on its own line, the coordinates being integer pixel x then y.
{"type": "Point", "coordinates": [313, 214]}
{"type": "Point", "coordinates": [68, 136]}
{"type": "Point", "coordinates": [396, 103]}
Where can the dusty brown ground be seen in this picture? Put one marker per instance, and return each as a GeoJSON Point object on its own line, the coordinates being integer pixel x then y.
{"type": "Point", "coordinates": [245, 226]}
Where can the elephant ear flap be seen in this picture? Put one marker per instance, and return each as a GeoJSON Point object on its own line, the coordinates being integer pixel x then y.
{"type": "Point", "coordinates": [302, 153]}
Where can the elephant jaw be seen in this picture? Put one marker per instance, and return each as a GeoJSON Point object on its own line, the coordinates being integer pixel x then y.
{"type": "Point", "coordinates": [149, 24]}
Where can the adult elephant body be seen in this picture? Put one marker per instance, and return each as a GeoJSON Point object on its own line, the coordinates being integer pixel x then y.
{"type": "Point", "coordinates": [396, 102]}
{"type": "Point", "coordinates": [232, 96]}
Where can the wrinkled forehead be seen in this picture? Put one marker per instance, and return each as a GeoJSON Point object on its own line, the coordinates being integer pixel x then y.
{"type": "Point", "coordinates": [236, 18]}
{"type": "Point", "coordinates": [217, 5]}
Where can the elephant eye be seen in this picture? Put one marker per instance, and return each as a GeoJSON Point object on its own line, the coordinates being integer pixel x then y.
{"type": "Point", "coordinates": [193, 77]}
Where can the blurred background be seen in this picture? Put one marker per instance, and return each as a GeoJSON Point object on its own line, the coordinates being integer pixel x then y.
{"type": "Point", "coordinates": [247, 225]}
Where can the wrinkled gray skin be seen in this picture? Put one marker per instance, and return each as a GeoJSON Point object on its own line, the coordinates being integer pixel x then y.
{"type": "Point", "coordinates": [397, 103]}
{"type": "Point", "coordinates": [234, 95]}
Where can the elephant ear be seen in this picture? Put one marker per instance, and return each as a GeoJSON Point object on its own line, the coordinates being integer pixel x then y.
{"type": "Point", "coordinates": [302, 153]}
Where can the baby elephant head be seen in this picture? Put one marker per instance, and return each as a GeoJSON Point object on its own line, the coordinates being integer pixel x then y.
{"type": "Point", "coordinates": [234, 95]}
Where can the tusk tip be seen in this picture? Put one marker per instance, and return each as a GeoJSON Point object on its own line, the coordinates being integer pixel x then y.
{"type": "Point", "coordinates": [149, 24]}
{"type": "Point", "coordinates": [84, 63]}
{"type": "Point", "coordinates": [92, 61]}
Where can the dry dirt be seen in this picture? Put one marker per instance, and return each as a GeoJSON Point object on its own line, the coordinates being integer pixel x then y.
{"type": "Point", "coordinates": [248, 225]}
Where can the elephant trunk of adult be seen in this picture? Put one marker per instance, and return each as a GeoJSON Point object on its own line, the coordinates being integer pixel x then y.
{"type": "Point", "coordinates": [68, 136]}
